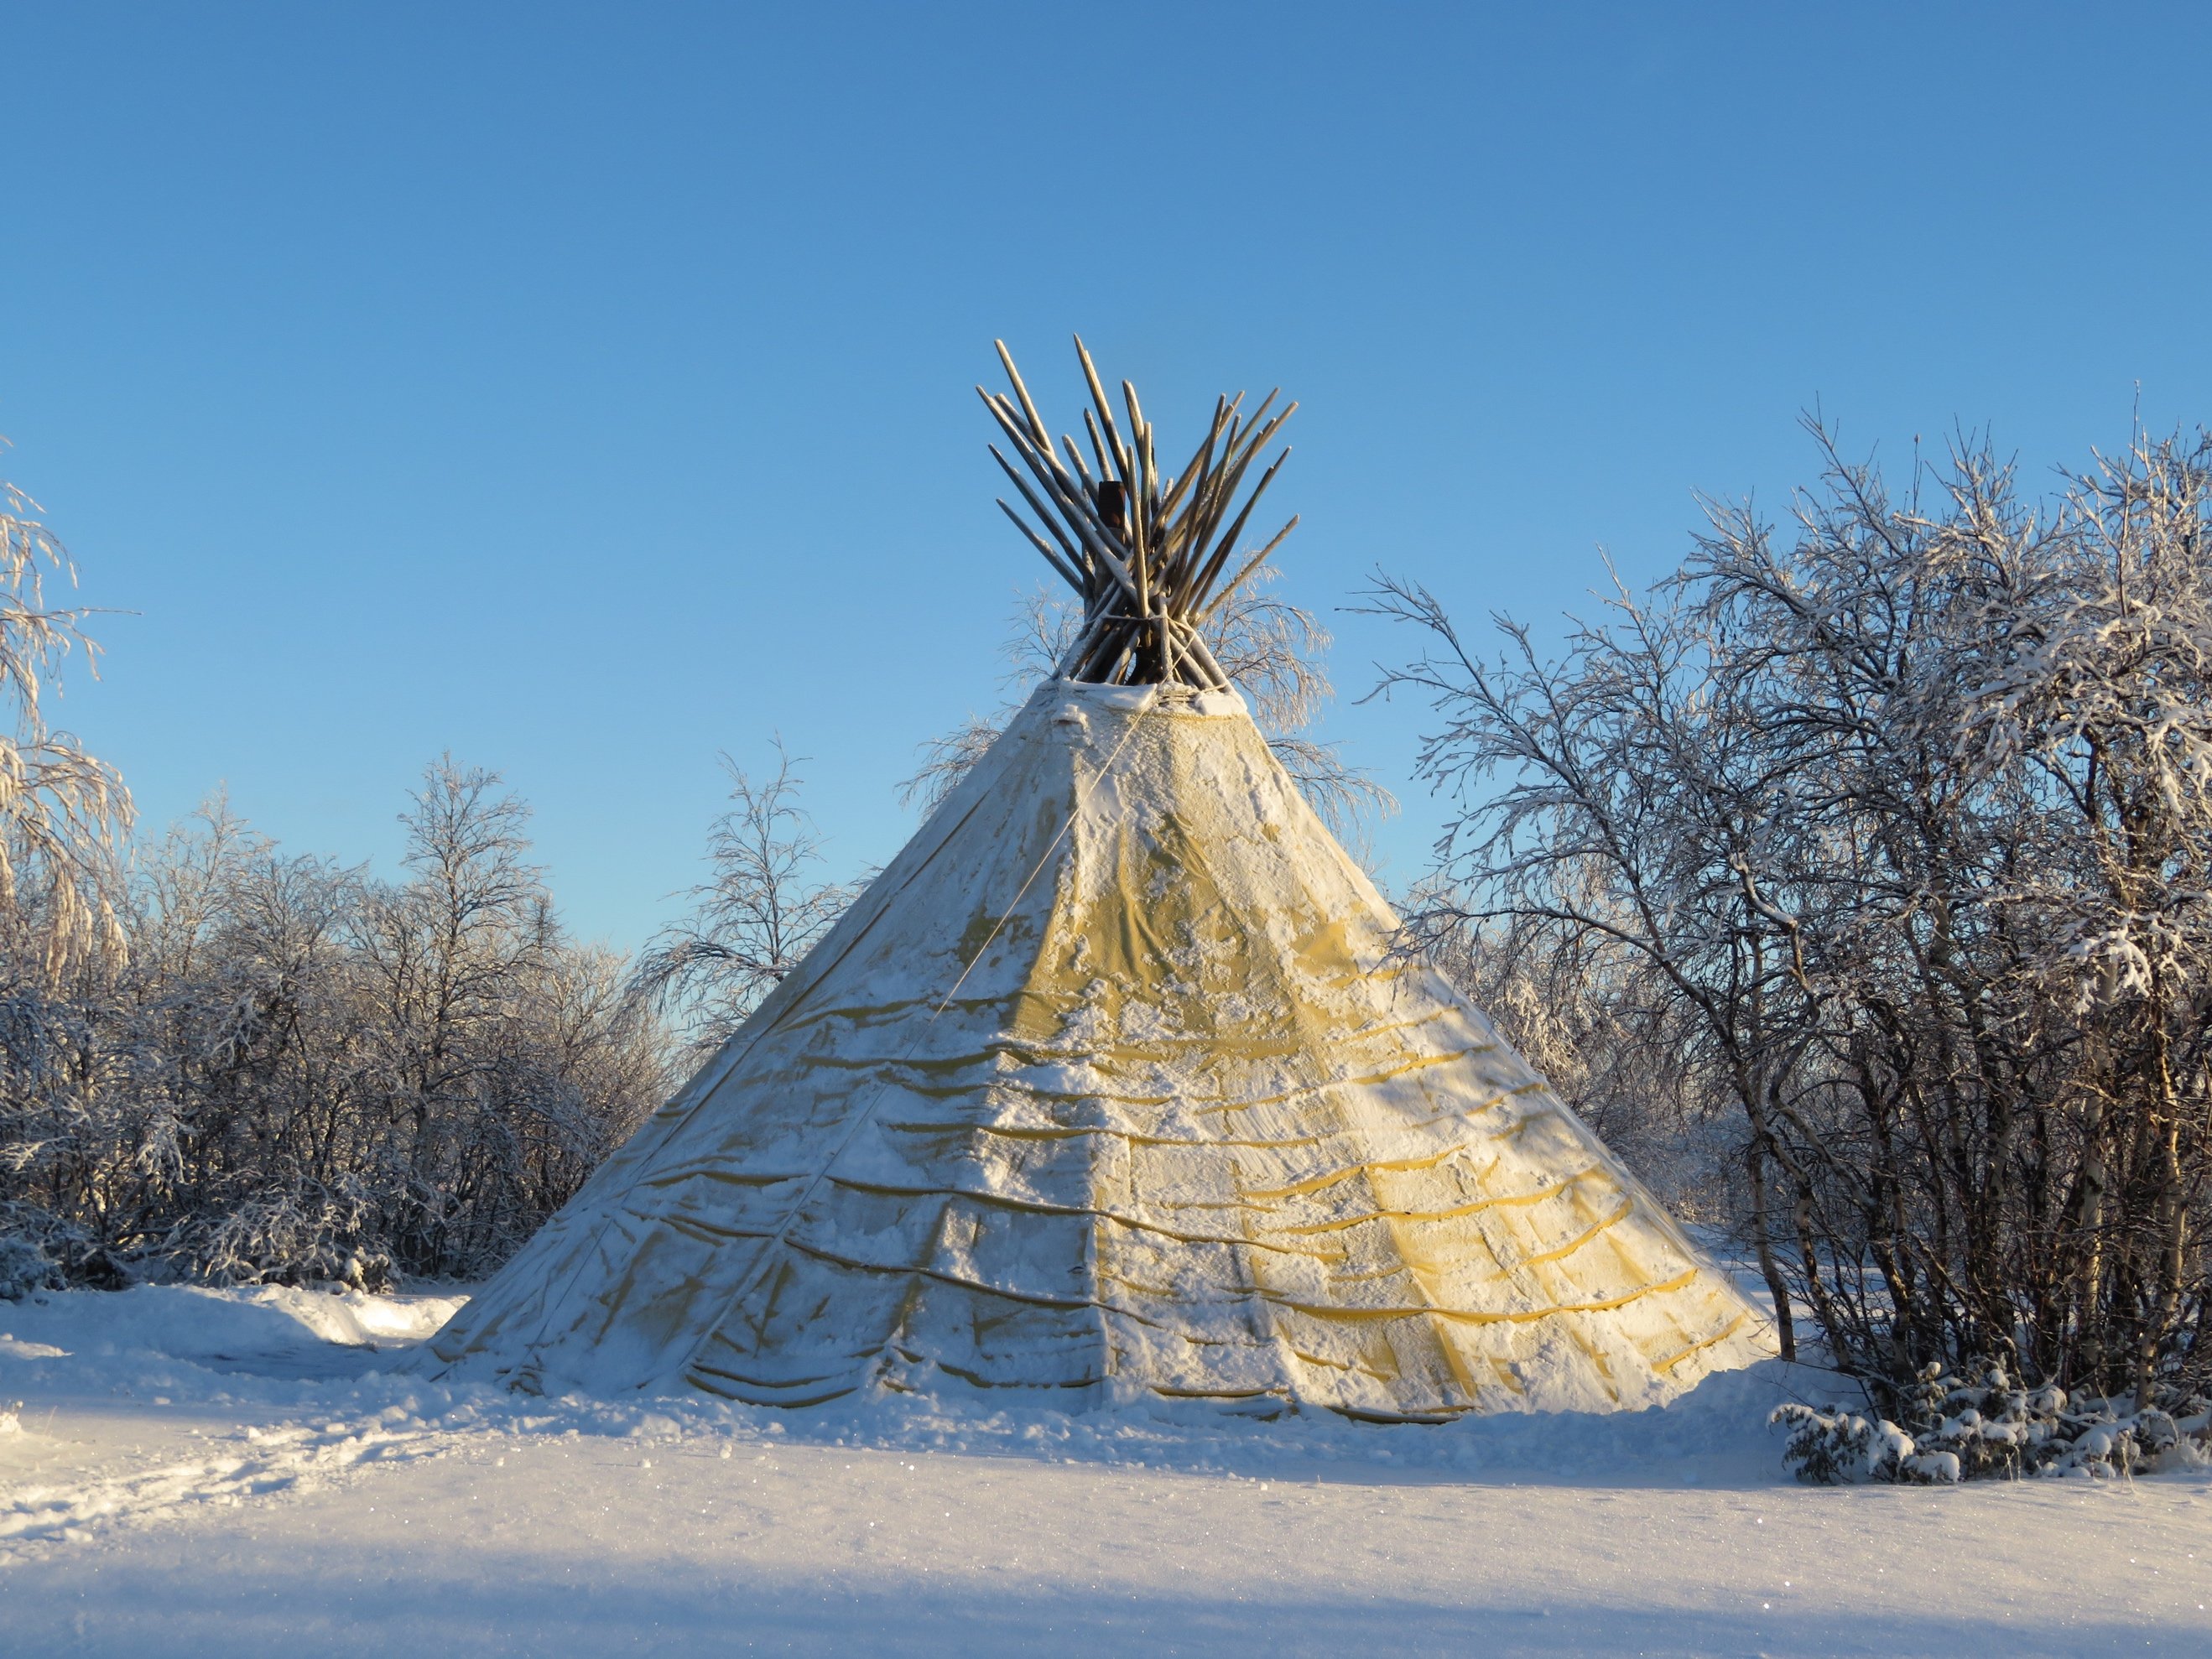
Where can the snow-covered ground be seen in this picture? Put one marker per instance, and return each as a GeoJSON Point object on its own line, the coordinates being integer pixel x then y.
{"type": "Point", "coordinates": [232, 1474]}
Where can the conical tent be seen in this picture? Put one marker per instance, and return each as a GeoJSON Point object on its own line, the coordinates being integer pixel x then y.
{"type": "Point", "coordinates": [1111, 1086]}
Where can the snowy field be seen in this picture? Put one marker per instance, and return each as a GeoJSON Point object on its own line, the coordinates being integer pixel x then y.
{"type": "Point", "coordinates": [232, 1474]}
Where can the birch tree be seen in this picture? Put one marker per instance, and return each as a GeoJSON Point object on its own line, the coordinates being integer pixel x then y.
{"type": "Point", "coordinates": [61, 810]}
{"type": "Point", "coordinates": [763, 907]}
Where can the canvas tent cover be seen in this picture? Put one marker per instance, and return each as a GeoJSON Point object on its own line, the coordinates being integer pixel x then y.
{"type": "Point", "coordinates": [1107, 1087]}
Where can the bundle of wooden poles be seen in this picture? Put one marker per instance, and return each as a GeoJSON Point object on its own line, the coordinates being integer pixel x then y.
{"type": "Point", "coordinates": [1144, 550]}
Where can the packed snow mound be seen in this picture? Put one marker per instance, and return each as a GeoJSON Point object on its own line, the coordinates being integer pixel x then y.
{"type": "Point", "coordinates": [1110, 1088]}
{"type": "Point", "coordinates": [166, 1400]}
{"type": "Point", "coordinates": [191, 1322]}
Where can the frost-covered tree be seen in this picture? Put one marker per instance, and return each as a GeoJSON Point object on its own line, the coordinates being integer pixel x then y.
{"type": "Point", "coordinates": [61, 810]}
{"type": "Point", "coordinates": [297, 1072]}
{"type": "Point", "coordinates": [761, 910]}
{"type": "Point", "coordinates": [1892, 831]}
{"type": "Point", "coordinates": [221, 1060]}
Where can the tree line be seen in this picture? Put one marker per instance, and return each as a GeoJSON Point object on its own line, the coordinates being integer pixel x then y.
{"type": "Point", "coordinates": [1853, 881]}
{"type": "Point", "coordinates": [223, 1061]}
{"type": "Point", "coordinates": [275, 1067]}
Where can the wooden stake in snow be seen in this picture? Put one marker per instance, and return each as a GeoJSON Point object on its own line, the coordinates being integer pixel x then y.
{"type": "Point", "coordinates": [1144, 551]}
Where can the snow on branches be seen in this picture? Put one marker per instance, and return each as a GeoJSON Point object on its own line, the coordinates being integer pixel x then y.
{"type": "Point", "coordinates": [1960, 1430]}
{"type": "Point", "coordinates": [1887, 834]}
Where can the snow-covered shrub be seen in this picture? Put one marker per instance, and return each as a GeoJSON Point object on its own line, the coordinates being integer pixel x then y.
{"type": "Point", "coordinates": [24, 1267]}
{"type": "Point", "coordinates": [1957, 1431]}
{"type": "Point", "coordinates": [295, 1073]}
{"type": "Point", "coordinates": [96, 1268]}
{"type": "Point", "coordinates": [304, 1236]}
{"type": "Point", "coordinates": [1829, 1446]}
{"type": "Point", "coordinates": [41, 1250]}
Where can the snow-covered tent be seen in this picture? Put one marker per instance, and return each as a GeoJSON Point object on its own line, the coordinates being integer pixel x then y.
{"type": "Point", "coordinates": [1110, 1087]}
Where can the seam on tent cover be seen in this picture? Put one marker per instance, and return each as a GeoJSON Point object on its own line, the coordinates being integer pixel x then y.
{"type": "Point", "coordinates": [782, 1235]}
{"type": "Point", "coordinates": [712, 1078]}
{"type": "Point", "coordinates": [1484, 1316]}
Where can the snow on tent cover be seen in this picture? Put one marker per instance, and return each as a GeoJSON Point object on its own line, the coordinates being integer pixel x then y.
{"type": "Point", "coordinates": [1110, 1086]}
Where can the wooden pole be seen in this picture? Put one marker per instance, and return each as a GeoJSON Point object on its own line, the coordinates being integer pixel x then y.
{"type": "Point", "coordinates": [1050, 557]}
{"type": "Point", "coordinates": [1144, 549]}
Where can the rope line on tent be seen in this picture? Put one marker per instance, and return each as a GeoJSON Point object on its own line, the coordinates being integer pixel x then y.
{"type": "Point", "coordinates": [764, 1262]}
{"type": "Point", "coordinates": [742, 1043]}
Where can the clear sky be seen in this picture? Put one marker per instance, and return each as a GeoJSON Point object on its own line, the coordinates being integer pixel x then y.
{"type": "Point", "coordinates": [587, 389]}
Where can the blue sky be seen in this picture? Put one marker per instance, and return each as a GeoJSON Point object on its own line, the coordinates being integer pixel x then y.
{"type": "Point", "coordinates": [586, 390]}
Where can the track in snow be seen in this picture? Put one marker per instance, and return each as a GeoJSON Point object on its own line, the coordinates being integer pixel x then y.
{"type": "Point", "coordinates": [196, 1505]}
